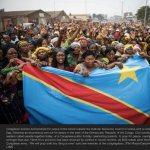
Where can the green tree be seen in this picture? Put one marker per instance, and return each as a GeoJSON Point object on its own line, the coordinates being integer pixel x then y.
{"type": "Point", "coordinates": [141, 13]}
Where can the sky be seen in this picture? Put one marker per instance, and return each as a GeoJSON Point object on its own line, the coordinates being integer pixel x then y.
{"type": "Point", "coordinates": [109, 7]}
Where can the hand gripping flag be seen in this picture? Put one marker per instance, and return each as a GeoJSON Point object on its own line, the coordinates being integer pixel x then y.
{"type": "Point", "coordinates": [53, 96]}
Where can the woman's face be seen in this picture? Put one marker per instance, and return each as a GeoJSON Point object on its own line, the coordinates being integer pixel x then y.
{"type": "Point", "coordinates": [64, 34]}
{"type": "Point", "coordinates": [64, 37]}
{"type": "Point", "coordinates": [60, 57]}
{"type": "Point", "coordinates": [44, 43]}
{"type": "Point", "coordinates": [93, 47]}
{"type": "Point", "coordinates": [89, 61]}
{"type": "Point", "coordinates": [83, 43]}
{"type": "Point", "coordinates": [129, 51]}
{"type": "Point", "coordinates": [6, 38]}
{"type": "Point", "coordinates": [77, 50]}
{"type": "Point", "coordinates": [31, 47]}
{"type": "Point", "coordinates": [25, 48]}
{"type": "Point", "coordinates": [42, 55]}
{"type": "Point", "coordinates": [111, 56]}
{"type": "Point", "coordinates": [12, 53]}
{"type": "Point", "coordinates": [49, 40]}
{"type": "Point", "coordinates": [121, 49]}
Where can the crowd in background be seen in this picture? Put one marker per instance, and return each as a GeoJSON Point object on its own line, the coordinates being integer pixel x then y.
{"type": "Point", "coordinates": [78, 46]}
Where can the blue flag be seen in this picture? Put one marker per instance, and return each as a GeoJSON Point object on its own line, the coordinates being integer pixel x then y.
{"type": "Point", "coordinates": [115, 96]}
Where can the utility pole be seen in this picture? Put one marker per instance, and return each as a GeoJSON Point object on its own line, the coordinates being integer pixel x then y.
{"type": "Point", "coordinates": [145, 13]}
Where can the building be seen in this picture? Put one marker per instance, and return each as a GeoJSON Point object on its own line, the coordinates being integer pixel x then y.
{"type": "Point", "coordinates": [60, 16]}
{"type": "Point", "coordinates": [20, 17]}
{"type": "Point", "coordinates": [115, 18]}
{"type": "Point", "coordinates": [128, 16]}
{"type": "Point", "coordinates": [83, 17]}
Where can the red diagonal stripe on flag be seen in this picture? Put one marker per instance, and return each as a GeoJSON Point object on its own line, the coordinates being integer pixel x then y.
{"type": "Point", "coordinates": [88, 95]}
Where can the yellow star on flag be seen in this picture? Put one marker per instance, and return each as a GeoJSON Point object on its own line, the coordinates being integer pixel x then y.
{"type": "Point", "coordinates": [127, 72]}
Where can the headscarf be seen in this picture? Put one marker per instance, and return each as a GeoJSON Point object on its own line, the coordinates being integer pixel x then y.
{"type": "Point", "coordinates": [114, 43]}
{"type": "Point", "coordinates": [119, 45]}
{"type": "Point", "coordinates": [22, 43]}
{"type": "Point", "coordinates": [128, 46]}
{"type": "Point", "coordinates": [75, 44]}
{"type": "Point", "coordinates": [54, 40]}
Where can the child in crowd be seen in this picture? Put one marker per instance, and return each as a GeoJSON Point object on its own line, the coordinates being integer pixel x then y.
{"type": "Point", "coordinates": [89, 64]}
{"type": "Point", "coordinates": [110, 59]}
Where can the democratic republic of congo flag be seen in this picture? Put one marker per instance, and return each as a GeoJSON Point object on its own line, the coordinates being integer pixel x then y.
{"type": "Point", "coordinates": [53, 96]}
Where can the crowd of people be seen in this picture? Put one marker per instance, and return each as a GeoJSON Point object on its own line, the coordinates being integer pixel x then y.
{"type": "Point", "coordinates": [78, 46]}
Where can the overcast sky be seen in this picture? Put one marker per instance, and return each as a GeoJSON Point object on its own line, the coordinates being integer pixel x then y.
{"type": "Point", "coordinates": [109, 7]}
